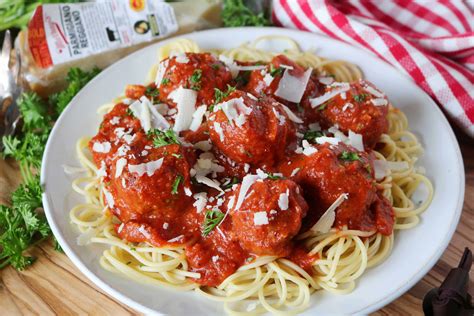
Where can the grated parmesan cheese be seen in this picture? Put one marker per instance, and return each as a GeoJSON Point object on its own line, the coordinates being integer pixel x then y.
{"type": "Point", "coordinates": [149, 167]}
{"type": "Point", "coordinates": [292, 88]}
{"type": "Point", "coordinates": [121, 163]}
{"type": "Point", "coordinates": [260, 218]}
{"type": "Point", "coordinates": [101, 147]}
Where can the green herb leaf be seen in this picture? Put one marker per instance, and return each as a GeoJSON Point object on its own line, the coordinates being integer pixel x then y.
{"type": "Point", "coordinates": [216, 66]}
{"type": "Point", "coordinates": [360, 97]}
{"type": "Point", "coordinates": [235, 13]}
{"type": "Point", "coordinates": [272, 176]}
{"type": "Point", "coordinates": [220, 95]}
{"type": "Point", "coordinates": [163, 138]}
{"type": "Point", "coordinates": [349, 156]}
{"type": "Point", "coordinates": [312, 135]}
{"type": "Point", "coordinates": [211, 220]}
{"type": "Point", "coordinates": [229, 185]}
{"type": "Point", "coordinates": [276, 71]}
{"type": "Point", "coordinates": [179, 178]}
{"type": "Point", "coordinates": [165, 81]}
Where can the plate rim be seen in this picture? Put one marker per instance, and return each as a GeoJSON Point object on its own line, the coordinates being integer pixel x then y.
{"type": "Point", "coordinates": [393, 295]}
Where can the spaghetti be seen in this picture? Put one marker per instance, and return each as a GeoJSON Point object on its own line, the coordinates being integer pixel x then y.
{"type": "Point", "coordinates": [268, 283]}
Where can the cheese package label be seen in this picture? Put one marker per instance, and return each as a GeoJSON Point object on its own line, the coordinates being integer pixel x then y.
{"type": "Point", "coordinates": [59, 33]}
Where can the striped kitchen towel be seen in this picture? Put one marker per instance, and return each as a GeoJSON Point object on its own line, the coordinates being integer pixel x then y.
{"type": "Point", "coordinates": [431, 41]}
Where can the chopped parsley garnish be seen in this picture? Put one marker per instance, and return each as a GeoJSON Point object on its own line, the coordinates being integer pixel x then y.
{"type": "Point", "coordinates": [177, 155]}
{"type": "Point", "coordinates": [229, 185]}
{"type": "Point", "coordinates": [360, 97]}
{"type": "Point", "coordinates": [276, 71]}
{"type": "Point", "coordinates": [349, 156]}
{"type": "Point", "coordinates": [165, 81]}
{"type": "Point", "coordinates": [130, 112]}
{"type": "Point", "coordinates": [312, 135]}
{"type": "Point", "coordinates": [272, 176]}
{"type": "Point", "coordinates": [216, 66]}
{"type": "Point", "coordinates": [152, 92]}
{"type": "Point", "coordinates": [220, 95]}
{"type": "Point", "coordinates": [236, 13]}
{"type": "Point", "coordinates": [179, 178]}
{"type": "Point", "coordinates": [195, 80]}
{"type": "Point", "coordinates": [21, 225]}
{"type": "Point", "coordinates": [322, 106]}
{"type": "Point", "coordinates": [163, 138]}
{"type": "Point", "coordinates": [211, 220]}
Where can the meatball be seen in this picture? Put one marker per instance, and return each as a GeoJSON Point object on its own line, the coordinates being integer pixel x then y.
{"type": "Point", "coordinates": [252, 131]}
{"type": "Point", "coordinates": [266, 81]}
{"type": "Point", "coordinates": [269, 217]}
{"type": "Point", "coordinates": [335, 170]}
{"type": "Point", "coordinates": [198, 71]}
{"type": "Point", "coordinates": [361, 109]}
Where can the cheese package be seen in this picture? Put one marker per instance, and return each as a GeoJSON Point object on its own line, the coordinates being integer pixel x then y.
{"type": "Point", "coordinates": [96, 34]}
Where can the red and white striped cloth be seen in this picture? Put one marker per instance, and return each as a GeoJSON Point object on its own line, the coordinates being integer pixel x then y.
{"type": "Point", "coordinates": [431, 41]}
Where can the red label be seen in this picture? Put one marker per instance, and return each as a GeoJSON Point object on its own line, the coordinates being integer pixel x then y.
{"type": "Point", "coordinates": [37, 40]}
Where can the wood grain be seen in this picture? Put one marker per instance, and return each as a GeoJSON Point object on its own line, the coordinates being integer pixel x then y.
{"type": "Point", "coordinates": [53, 285]}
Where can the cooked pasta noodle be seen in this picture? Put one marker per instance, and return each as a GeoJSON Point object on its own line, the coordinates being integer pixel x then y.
{"type": "Point", "coordinates": [268, 284]}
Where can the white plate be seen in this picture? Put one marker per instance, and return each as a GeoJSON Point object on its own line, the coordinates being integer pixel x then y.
{"type": "Point", "coordinates": [415, 250]}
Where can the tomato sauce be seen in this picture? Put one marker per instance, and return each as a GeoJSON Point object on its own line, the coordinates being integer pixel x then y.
{"type": "Point", "coordinates": [236, 188]}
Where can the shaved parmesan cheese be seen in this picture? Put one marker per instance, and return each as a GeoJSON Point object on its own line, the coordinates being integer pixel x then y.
{"type": "Point", "coordinates": [142, 112]}
{"type": "Point", "coordinates": [292, 116]}
{"type": "Point", "coordinates": [185, 100]}
{"type": "Point", "coordinates": [261, 174]}
{"type": "Point", "coordinates": [397, 165]}
{"type": "Point", "coordinates": [379, 102]}
{"type": "Point", "coordinates": [203, 145]}
{"type": "Point", "coordinates": [292, 88]}
{"type": "Point", "coordinates": [326, 80]}
{"type": "Point", "coordinates": [287, 67]}
{"type": "Point", "coordinates": [121, 163]}
{"type": "Point", "coordinates": [380, 169]}
{"type": "Point", "coordinates": [356, 141]}
{"type": "Point", "coordinates": [246, 167]}
{"type": "Point", "coordinates": [201, 201]}
{"type": "Point", "coordinates": [209, 182]}
{"type": "Point", "coordinates": [102, 172]}
{"type": "Point", "coordinates": [324, 139]}
{"type": "Point", "coordinates": [231, 203]}
{"type": "Point", "coordinates": [283, 201]}
{"type": "Point", "coordinates": [346, 106]}
{"type": "Point", "coordinates": [235, 110]}
{"type": "Point", "coordinates": [250, 68]}
{"type": "Point", "coordinates": [115, 120]}
{"type": "Point", "coordinates": [160, 73]}
{"type": "Point", "coordinates": [166, 225]}
{"type": "Point", "coordinates": [268, 79]}
{"type": "Point", "coordinates": [157, 120]}
{"type": "Point", "coordinates": [197, 117]}
{"type": "Point", "coordinates": [230, 63]}
{"type": "Point", "coordinates": [176, 239]}
{"type": "Point", "coordinates": [247, 182]}
{"type": "Point", "coordinates": [343, 96]}
{"type": "Point", "coordinates": [374, 92]}
{"type": "Point", "coordinates": [101, 147]}
{"type": "Point", "coordinates": [294, 172]}
{"type": "Point", "coordinates": [308, 150]}
{"type": "Point", "coordinates": [251, 96]}
{"type": "Point", "coordinates": [109, 198]}
{"type": "Point", "coordinates": [188, 191]}
{"type": "Point", "coordinates": [149, 167]}
{"type": "Point", "coordinates": [324, 224]}
{"type": "Point", "coordinates": [328, 96]}
{"type": "Point", "coordinates": [260, 218]}
{"type": "Point", "coordinates": [219, 131]}
{"type": "Point", "coordinates": [122, 150]}
{"type": "Point", "coordinates": [280, 118]}
{"type": "Point", "coordinates": [180, 57]}
{"type": "Point", "coordinates": [128, 138]}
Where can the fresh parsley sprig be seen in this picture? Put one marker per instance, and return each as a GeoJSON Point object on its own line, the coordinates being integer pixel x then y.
{"type": "Point", "coordinates": [179, 178]}
{"type": "Point", "coordinates": [163, 138]}
{"type": "Point", "coordinates": [349, 156]}
{"type": "Point", "coordinates": [23, 224]}
{"type": "Point", "coordinates": [211, 220]}
{"type": "Point", "coordinates": [236, 13]}
{"type": "Point", "coordinates": [311, 136]}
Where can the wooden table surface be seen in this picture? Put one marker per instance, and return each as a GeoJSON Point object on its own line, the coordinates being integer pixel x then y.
{"type": "Point", "coordinates": [53, 285]}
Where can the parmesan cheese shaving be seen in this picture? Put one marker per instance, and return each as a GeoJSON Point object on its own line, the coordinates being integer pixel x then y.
{"type": "Point", "coordinates": [142, 112]}
{"type": "Point", "coordinates": [109, 198]}
{"type": "Point", "coordinates": [328, 96]}
{"type": "Point", "coordinates": [283, 200]}
{"type": "Point", "coordinates": [292, 116]}
{"type": "Point", "coordinates": [149, 167]}
{"type": "Point", "coordinates": [260, 218]}
{"type": "Point", "coordinates": [356, 141]}
{"type": "Point", "coordinates": [121, 163]}
{"type": "Point", "coordinates": [324, 139]}
{"type": "Point", "coordinates": [379, 102]}
{"type": "Point", "coordinates": [101, 147]}
{"type": "Point", "coordinates": [374, 92]}
{"type": "Point", "coordinates": [197, 117]}
{"type": "Point", "coordinates": [324, 224]}
{"type": "Point", "coordinates": [160, 73]}
{"type": "Point", "coordinates": [209, 182]}
{"type": "Point", "coordinates": [292, 88]}
{"type": "Point", "coordinates": [326, 80]}
{"type": "Point", "coordinates": [380, 169]}
{"type": "Point", "coordinates": [219, 131]}
{"type": "Point", "coordinates": [200, 201]}
{"type": "Point", "coordinates": [247, 182]}
{"type": "Point", "coordinates": [185, 100]}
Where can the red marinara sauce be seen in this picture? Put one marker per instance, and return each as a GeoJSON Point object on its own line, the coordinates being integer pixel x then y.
{"type": "Point", "coordinates": [238, 166]}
